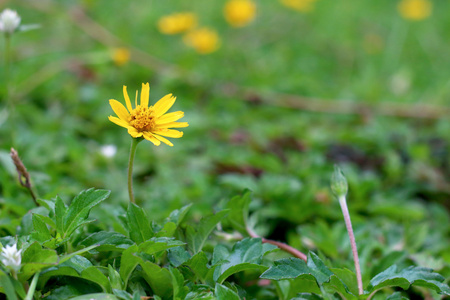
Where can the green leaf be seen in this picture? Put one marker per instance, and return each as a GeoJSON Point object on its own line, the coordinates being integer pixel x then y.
{"type": "Point", "coordinates": [294, 267]}
{"type": "Point", "coordinates": [199, 265]}
{"type": "Point", "coordinates": [79, 209]}
{"type": "Point", "coordinates": [114, 278]}
{"type": "Point", "coordinates": [179, 290]}
{"type": "Point", "coordinates": [197, 237]}
{"type": "Point", "coordinates": [128, 263]}
{"type": "Point", "coordinates": [155, 245]}
{"type": "Point", "coordinates": [42, 233]}
{"type": "Point", "coordinates": [93, 274]}
{"type": "Point", "coordinates": [396, 296]}
{"type": "Point", "coordinates": [97, 296]}
{"type": "Point", "coordinates": [76, 253]}
{"type": "Point", "coordinates": [412, 275]}
{"type": "Point", "coordinates": [138, 224]}
{"type": "Point", "coordinates": [224, 293]}
{"type": "Point", "coordinates": [60, 212]}
{"type": "Point", "coordinates": [178, 256]}
{"type": "Point", "coordinates": [245, 255]}
{"type": "Point", "coordinates": [7, 285]}
{"type": "Point", "coordinates": [35, 259]}
{"type": "Point", "coordinates": [348, 279]}
{"type": "Point", "coordinates": [168, 230]}
{"type": "Point", "coordinates": [108, 241]}
{"type": "Point", "coordinates": [177, 216]}
{"type": "Point", "coordinates": [159, 279]}
{"type": "Point", "coordinates": [238, 213]}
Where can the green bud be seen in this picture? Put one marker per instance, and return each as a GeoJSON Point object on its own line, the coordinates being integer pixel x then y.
{"type": "Point", "coordinates": [339, 185]}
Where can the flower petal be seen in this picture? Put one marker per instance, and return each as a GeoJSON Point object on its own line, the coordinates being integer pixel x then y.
{"type": "Point", "coordinates": [149, 137]}
{"type": "Point", "coordinates": [133, 132]}
{"type": "Point", "coordinates": [173, 125]}
{"type": "Point", "coordinates": [119, 109]}
{"type": "Point", "coordinates": [170, 117]}
{"type": "Point", "coordinates": [127, 98]}
{"type": "Point", "coordinates": [164, 140]}
{"type": "Point", "coordinates": [163, 105]}
{"type": "Point", "coordinates": [145, 94]}
{"type": "Point", "coordinates": [169, 132]}
{"type": "Point", "coordinates": [119, 121]}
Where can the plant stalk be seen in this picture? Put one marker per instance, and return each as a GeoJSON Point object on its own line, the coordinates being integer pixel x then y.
{"type": "Point", "coordinates": [134, 142]}
{"type": "Point", "coordinates": [32, 287]}
{"type": "Point", "coordinates": [348, 224]}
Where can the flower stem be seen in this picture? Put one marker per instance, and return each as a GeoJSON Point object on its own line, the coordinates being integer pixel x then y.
{"type": "Point", "coordinates": [348, 224]}
{"type": "Point", "coordinates": [32, 287]}
{"type": "Point", "coordinates": [134, 142]}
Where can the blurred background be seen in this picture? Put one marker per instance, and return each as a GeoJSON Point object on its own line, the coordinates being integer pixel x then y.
{"type": "Point", "coordinates": [275, 92]}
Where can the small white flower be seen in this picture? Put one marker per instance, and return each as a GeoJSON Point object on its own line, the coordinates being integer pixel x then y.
{"type": "Point", "coordinates": [108, 150]}
{"type": "Point", "coordinates": [11, 257]}
{"type": "Point", "coordinates": [9, 21]}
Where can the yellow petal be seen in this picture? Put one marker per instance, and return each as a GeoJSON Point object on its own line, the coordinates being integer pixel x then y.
{"type": "Point", "coordinates": [119, 109]}
{"type": "Point", "coordinates": [163, 105]}
{"type": "Point", "coordinates": [133, 132]}
{"type": "Point", "coordinates": [170, 117]}
{"type": "Point", "coordinates": [169, 132]}
{"type": "Point", "coordinates": [173, 125]}
{"type": "Point", "coordinates": [135, 99]}
{"type": "Point", "coordinates": [127, 99]}
{"type": "Point", "coordinates": [164, 140]}
{"type": "Point", "coordinates": [149, 137]}
{"type": "Point", "coordinates": [145, 94]}
{"type": "Point", "coordinates": [118, 121]}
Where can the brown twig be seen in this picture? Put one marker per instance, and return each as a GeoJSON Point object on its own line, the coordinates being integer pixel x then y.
{"type": "Point", "coordinates": [24, 176]}
{"type": "Point", "coordinates": [282, 246]}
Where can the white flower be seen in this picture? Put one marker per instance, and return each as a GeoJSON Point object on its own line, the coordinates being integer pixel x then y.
{"type": "Point", "coordinates": [9, 21]}
{"type": "Point", "coordinates": [108, 150]}
{"type": "Point", "coordinates": [11, 257]}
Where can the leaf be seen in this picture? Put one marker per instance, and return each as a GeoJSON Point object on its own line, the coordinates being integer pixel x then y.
{"type": "Point", "coordinates": [35, 259]}
{"type": "Point", "coordinates": [294, 267]}
{"type": "Point", "coordinates": [76, 253]}
{"type": "Point", "coordinates": [412, 275]}
{"type": "Point", "coordinates": [197, 237]}
{"type": "Point", "coordinates": [199, 265]}
{"type": "Point", "coordinates": [7, 286]}
{"type": "Point", "coordinates": [155, 245]}
{"type": "Point", "coordinates": [224, 293]}
{"type": "Point", "coordinates": [168, 230]}
{"type": "Point", "coordinates": [97, 296]}
{"type": "Point", "coordinates": [396, 296]}
{"type": "Point", "coordinates": [80, 207]}
{"type": "Point", "coordinates": [179, 290]}
{"type": "Point", "coordinates": [138, 224]}
{"type": "Point", "coordinates": [159, 279]}
{"type": "Point", "coordinates": [93, 274]}
{"type": "Point", "coordinates": [128, 263]}
{"type": "Point", "coordinates": [60, 212]}
{"type": "Point", "coordinates": [42, 233]}
{"type": "Point", "coordinates": [178, 256]}
{"type": "Point", "coordinates": [177, 216]}
{"type": "Point", "coordinates": [245, 255]}
{"type": "Point", "coordinates": [238, 213]}
{"type": "Point", "coordinates": [114, 278]}
{"type": "Point", "coordinates": [108, 241]}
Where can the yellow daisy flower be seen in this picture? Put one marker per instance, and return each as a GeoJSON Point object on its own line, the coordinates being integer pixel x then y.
{"type": "Point", "coordinates": [149, 122]}
{"type": "Point", "coordinates": [203, 40]}
{"type": "Point", "coordinates": [239, 13]}
{"type": "Point", "coordinates": [177, 23]}
{"type": "Point", "coordinates": [415, 10]}
{"type": "Point", "coordinates": [120, 56]}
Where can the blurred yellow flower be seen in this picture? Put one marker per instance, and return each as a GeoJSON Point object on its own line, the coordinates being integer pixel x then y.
{"type": "Point", "coordinates": [203, 40]}
{"type": "Point", "coordinates": [303, 6]}
{"type": "Point", "coordinates": [149, 122]}
{"type": "Point", "coordinates": [415, 10]}
{"type": "Point", "coordinates": [239, 13]}
{"type": "Point", "coordinates": [177, 23]}
{"type": "Point", "coordinates": [120, 56]}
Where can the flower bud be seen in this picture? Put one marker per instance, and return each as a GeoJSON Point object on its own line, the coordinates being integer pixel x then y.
{"type": "Point", "coordinates": [339, 185]}
{"type": "Point", "coordinates": [9, 21]}
{"type": "Point", "coordinates": [11, 257]}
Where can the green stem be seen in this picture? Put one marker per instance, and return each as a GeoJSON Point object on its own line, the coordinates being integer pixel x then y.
{"type": "Point", "coordinates": [32, 287]}
{"type": "Point", "coordinates": [134, 143]}
{"type": "Point", "coordinates": [7, 65]}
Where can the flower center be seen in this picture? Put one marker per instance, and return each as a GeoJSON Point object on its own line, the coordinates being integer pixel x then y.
{"type": "Point", "coordinates": [142, 118]}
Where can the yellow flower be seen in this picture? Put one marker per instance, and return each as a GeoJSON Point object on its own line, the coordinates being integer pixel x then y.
{"type": "Point", "coordinates": [239, 12]}
{"type": "Point", "coordinates": [120, 56]}
{"type": "Point", "coordinates": [203, 40]}
{"type": "Point", "coordinates": [177, 23]}
{"type": "Point", "coordinates": [149, 122]}
{"type": "Point", "coordinates": [303, 6]}
{"type": "Point", "coordinates": [415, 10]}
